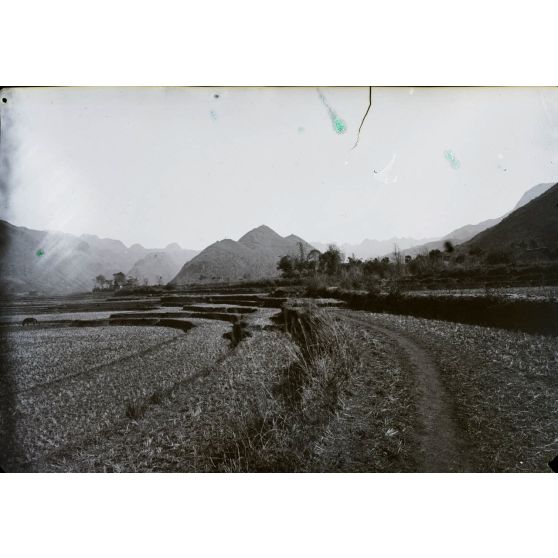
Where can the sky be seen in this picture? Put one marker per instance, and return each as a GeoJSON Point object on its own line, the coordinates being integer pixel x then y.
{"type": "Point", "coordinates": [196, 165]}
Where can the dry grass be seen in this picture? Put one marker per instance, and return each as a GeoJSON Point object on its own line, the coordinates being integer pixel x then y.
{"type": "Point", "coordinates": [375, 429]}
{"type": "Point", "coordinates": [274, 402]}
{"type": "Point", "coordinates": [265, 406]}
{"type": "Point", "coordinates": [504, 386]}
{"type": "Point", "coordinates": [349, 404]}
{"type": "Point", "coordinates": [35, 357]}
{"type": "Point", "coordinates": [86, 381]}
{"type": "Point", "coordinates": [285, 411]}
{"type": "Point", "coordinates": [135, 410]}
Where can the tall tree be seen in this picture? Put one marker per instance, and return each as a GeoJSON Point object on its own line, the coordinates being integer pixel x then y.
{"type": "Point", "coordinates": [119, 279]}
{"type": "Point", "coordinates": [330, 260]}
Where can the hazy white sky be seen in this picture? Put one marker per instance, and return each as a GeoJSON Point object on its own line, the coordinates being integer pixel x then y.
{"type": "Point", "coordinates": [157, 165]}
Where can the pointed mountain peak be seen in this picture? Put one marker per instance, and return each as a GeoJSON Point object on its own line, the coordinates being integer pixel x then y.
{"type": "Point", "coordinates": [260, 236]}
{"type": "Point", "coordinates": [262, 229]}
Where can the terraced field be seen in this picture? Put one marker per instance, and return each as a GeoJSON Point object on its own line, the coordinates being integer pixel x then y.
{"type": "Point", "coordinates": [90, 366]}
{"type": "Point", "coordinates": [246, 381]}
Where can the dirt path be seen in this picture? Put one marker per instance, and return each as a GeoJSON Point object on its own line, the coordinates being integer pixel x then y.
{"type": "Point", "coordinates": [441, 449]}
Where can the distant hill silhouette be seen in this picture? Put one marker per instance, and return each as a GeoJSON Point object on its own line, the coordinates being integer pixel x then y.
{"type": "Point", "coordinates": [528, 233]}
{"type": "Point", "coordinates": [370, 248]}
{"type": "Point", "coordinates": [467, 232]}
{"type": "Point", "coordinates": [253, 256]}
{"type": "Point", "coordinates": [54, 262]}
{"type": "Point", "coordinates": [155, 268]}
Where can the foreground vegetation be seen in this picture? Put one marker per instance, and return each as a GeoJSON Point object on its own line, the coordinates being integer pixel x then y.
{"type": "Point", "coordinates": [476, 288]}
{"type": "Point", "coordinates": [66, 384]}
{"type": "Point", "coordinates": [504, 386]}
{"type": "Point", "coordinates": [322, 389]}
{"type": "Point", "coordinates": [287, 399]}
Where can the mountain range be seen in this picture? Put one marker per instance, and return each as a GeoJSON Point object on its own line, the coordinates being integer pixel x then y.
{"type": "Point", "coordinates": [54, 262]}
{"type": "Point", "coordinates": [253, 256]}
{"type": "Point", "coordinates": [467, 232]}
{"type": "Point", "coordinates": [370, 248]}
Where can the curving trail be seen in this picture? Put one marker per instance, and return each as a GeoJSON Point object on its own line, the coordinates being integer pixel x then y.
{"type": "Point", "coordinates": [441, 447]}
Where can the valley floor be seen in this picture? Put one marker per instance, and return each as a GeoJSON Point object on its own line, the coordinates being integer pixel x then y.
{"type": "Point", "coordinates": [382, 393]}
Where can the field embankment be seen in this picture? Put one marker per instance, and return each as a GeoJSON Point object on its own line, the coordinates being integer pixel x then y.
{"type": "Point", "coordinates": [532, 316]}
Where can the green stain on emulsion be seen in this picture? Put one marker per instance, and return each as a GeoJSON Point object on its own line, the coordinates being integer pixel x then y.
{"type": "Point", "coordinates": [40, 252]}
{"type": "Point", "coordinates": [339, 125]}
{"type": "Point", "coordinates": [452, 159]}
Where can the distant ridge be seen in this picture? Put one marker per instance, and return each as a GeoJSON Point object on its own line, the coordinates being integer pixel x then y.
{"type": "Point", "coordinates": [253, 256]}
{"type": "Point", "coordinates": [533, 193]}
{"type": "Point", "coordinates": [467, 232]}
{"type": "Point", "coordinates": [155, 268]}
{"type": "Point", "coordinates": [60, 263]}
{"type": "Point", "coordinates": [370, 248]}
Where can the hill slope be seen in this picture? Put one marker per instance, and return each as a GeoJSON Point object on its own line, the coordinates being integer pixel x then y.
{"type": "Point", "coordinates": [253, 256]}
{"type": "Point", "coordinates": [530, 232]}
{"type": "Point", "coordinates": [467, 232]}
{"type": "Point", "coordinates": [532, 193]}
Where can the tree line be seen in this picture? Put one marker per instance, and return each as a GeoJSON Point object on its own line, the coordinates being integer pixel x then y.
{"type": "Point", "coordinates": [333, 268]}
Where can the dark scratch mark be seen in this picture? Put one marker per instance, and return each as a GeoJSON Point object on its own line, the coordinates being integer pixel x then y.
{"type": "Point", "coordinates": [365, 115]}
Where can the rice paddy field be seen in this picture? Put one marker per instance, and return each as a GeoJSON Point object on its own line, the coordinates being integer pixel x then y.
{"type": "Point", "coordinates": [502, 385]}
{"type": "Point", "coordinates": [69, 383]}
{"type": "Point", "coordinates": [260, 383]}
{"type": "Point", "coordinates": [543, 293]}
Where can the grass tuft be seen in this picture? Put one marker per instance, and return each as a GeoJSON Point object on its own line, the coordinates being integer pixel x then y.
{"type": "Point", "coordinates": [280, 418]}
{"type": "Point", "coordinates": [156, 398]}
{"type": "Point", "coordinates": [135, 410]}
